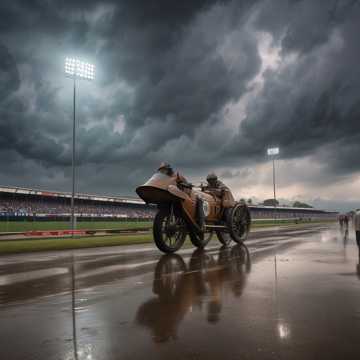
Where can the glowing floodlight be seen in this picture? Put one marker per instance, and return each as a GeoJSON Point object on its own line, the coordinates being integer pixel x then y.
{"type": "Point", "coordinates": [79, 69]}
{"type": "Point", "coordinates": [273, 151]}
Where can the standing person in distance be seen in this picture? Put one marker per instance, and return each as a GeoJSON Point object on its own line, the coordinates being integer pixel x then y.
{"type": "Point", "coordinates": [357, 228]}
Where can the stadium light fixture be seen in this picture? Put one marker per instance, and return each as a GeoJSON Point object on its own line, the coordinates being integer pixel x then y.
{"type": "Point", "coordinates": [79, 69]}
{"type": "Point", "coordinates": [272, 152]}
{"type": "Point", "coordinates": [76, 70]}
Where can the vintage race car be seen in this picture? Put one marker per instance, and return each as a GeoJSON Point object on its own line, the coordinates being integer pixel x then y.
{"type": "Point", "coordinates": [198, 212]}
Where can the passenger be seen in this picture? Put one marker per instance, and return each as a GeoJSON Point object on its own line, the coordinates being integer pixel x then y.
{"type": "Point", "coordinates": [346, 221]}
{"type": "Point", "coordinates": [166, 169]}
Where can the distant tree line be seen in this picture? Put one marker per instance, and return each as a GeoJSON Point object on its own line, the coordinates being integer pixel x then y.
{"type": "Point", "coordinates": [300, 204]}
{"type": "Point", "coordinates": [273, 202]}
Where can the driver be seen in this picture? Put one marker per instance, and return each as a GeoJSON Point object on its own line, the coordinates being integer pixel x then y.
{"type": "Point", "coordinates": [215, 185]}
{"type": "Point", "coordinates": [166, 169]}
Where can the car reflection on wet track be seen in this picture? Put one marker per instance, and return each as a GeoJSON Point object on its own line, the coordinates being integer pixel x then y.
{"type": "Point", "coordinates": [201, 283]}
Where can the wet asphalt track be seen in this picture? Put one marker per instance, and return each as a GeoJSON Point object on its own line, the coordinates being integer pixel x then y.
{"type": "Point", "coordinates": [292, 294]}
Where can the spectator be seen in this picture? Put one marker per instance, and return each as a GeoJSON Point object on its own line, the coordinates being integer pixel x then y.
{"type": "Point", "coordinates": [357, 228]}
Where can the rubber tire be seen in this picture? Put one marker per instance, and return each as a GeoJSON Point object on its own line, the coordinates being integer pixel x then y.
{"type": "Point", "coordinates": [229, 219]}
{"type": "Point", "coordinates": [158, 235]}
{"type": "Point", "coordinates": [226, 241]}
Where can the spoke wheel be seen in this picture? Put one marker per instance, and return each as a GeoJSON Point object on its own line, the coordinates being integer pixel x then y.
{"type": "Point", "coordinates": [223, 235]}
{"type": "Point", "coordinates": [169, 231]}
{"type": "Point", "coordinates": [238, 221]}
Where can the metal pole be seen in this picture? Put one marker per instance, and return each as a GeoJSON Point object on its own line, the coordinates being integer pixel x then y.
{"type": "Point", "coordinates": [73, 166]}
{"type": "Point", "coordinates": [274, 179]}
{"type": "Point", "coordinates": [274, 188]}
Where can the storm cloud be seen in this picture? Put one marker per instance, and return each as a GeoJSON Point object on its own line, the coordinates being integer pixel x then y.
{"type": "Point", "coordinates": [205, 85]}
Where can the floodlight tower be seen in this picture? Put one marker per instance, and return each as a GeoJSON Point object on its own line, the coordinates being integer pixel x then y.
{"type": "Point", "coordinates": [76, 70]}
{"type": "Point", "coordinates": [272, 152]}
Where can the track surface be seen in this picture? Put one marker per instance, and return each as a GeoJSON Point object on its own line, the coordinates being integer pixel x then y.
{"type": "Point", "coordinates": [291, 294]}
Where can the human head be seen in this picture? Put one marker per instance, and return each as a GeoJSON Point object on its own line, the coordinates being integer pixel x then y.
{"type": "Point", "coordinates": [165, 168]}
{"type": "Point", "coordinates": [212, 179]}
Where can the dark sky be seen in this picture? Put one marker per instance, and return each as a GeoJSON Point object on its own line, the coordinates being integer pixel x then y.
{"type": "Point", "coordinates": [205, 85]}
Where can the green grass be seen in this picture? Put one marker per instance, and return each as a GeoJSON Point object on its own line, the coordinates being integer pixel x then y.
{"type": "Point", "coordinates": [21, 246]}
{"type": "Point", "coordinates": [17, 246]}
{"type": "Point", "coordinates": [18, 226]}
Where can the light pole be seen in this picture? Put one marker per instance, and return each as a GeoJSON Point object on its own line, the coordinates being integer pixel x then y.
{"type": "Point", "coordinates": [76, 69]}
{"type": "Point", "coordinates": [272, 152]}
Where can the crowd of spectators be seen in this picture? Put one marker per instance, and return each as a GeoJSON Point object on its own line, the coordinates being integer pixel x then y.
{"type": "Point", "coordinates": [32, 206]}
{"type": "Point", "coordinates": [25, 205]}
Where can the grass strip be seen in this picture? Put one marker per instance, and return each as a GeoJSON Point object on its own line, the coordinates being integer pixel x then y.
{"type": "Point", "coordinates": [17, 226]}
{"type": "Point", "coordinates": [20, 246]}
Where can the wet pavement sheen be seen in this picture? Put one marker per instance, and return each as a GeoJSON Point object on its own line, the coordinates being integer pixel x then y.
{"type": "Point", "coordinates": [289, 294]}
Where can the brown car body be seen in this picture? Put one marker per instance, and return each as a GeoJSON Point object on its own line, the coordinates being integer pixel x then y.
{"type": "Point", "coordinates": [164, 189]}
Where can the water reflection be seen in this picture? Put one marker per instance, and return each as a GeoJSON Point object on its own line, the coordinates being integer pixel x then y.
{"type": "Point", "coordinates": [346, 237]}
{"type": "Point", "coordinates": [198, 284]}
{"type": "Point", "coordinates": [329, 236]}
{"type": "Point", "coordinates": [283, 331]}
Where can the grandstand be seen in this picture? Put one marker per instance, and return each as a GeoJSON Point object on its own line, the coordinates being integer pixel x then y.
{"type": "Point", "coordinates": [262, 212]}
{"type": "Point", "coordinates": [21, 203]}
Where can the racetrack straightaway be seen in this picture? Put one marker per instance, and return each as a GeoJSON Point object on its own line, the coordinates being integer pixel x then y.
{"type": "Point", "coordinates": [290, 294]}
